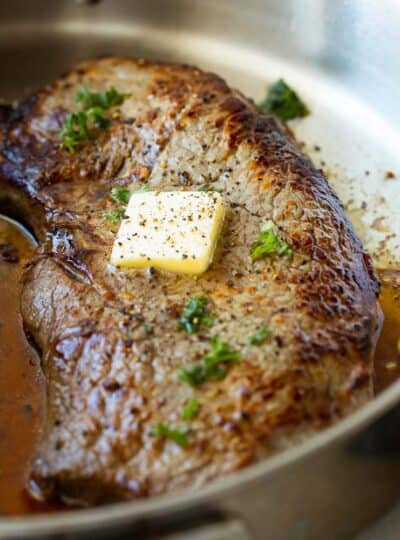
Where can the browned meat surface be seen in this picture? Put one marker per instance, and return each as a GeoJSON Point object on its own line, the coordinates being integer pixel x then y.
{"type": "Point", "coordinates": [109, 341]}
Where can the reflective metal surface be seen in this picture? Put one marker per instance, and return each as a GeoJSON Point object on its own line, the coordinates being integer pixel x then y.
{"type": "Point", "coordinates": [19, 226]}
{"type": "Point", "coordinates": [342, 57]}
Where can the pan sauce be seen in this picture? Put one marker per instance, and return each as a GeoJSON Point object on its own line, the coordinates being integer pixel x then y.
{"type": "Point", "coordinates": [22, 385]}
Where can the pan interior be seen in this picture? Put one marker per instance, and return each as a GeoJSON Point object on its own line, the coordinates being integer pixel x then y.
{"type": "Point", "coordinates": [351, 132]}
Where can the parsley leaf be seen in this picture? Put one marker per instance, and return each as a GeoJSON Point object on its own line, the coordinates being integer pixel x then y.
{"type": "Point", "coordinates": [212, 364]}
{"type": "Point", "coordinates": [191, 409]}
{"type": "Point", "coordinates": [120, 194]}
{"type": "Point", "coordinates": [269, 243]}
{"type": "Point", "coordinates": [95, 114]}
{"type": "Point", "coordinates": [195, 315]}
{"type": "Point", "coordinates": [115, 215]}
{"type": "Point", "coordinates": [78, 126]}
{"type": "Point", "coordinates": [283, 102]}
{"type": "Point", "coordinates": [148, 329]}
{"type": "Point", "coordinates": [74, 130]}
{"type": "Point", "coordinates": [178, 435]}
{"type": "Point", "coordinates": [208, 187]}
{"type": "Point", "coordinates": [105, 100]}
{"type": "Point", "coordinates": [259, 337]}
{"type": "Point", "coordinates": [220, 352]}
{"type": "Point", "coordinates": [193, 375]}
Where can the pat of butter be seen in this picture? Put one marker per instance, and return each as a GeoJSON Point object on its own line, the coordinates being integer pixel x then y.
{"type": "Point", "coordinates": [171, 230]}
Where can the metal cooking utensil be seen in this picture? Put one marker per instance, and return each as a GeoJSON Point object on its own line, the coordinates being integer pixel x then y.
{"type": "Point", "coordinates": [19, 226]}
{"type": "Point", "coordinates": [342, 56]}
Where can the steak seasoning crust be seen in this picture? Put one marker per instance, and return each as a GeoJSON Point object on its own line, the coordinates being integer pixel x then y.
{"type": "Point", "coordinates": [110, 340]}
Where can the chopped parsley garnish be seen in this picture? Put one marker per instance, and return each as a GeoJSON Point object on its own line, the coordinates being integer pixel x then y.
{"type": "Point", "coordinates": [212, 365]}
{"type": "Point", "coordinates": [107, 99]}
{"type": "Point", "coordinates": [79, 126]}
{"type": "Point", "coordinates": [115, 215]}
{"type": "Point", "coordinates": [74, 130]}
{"type": "Point", "coordinates": [178, 435]}
{"type": "Point", "coordinates": [269, 243]}
{"type": "Point", "coordinates": [283, 102]}
{"type": "Point", "coordinates": [148, 329]}
{"type": "Point", "coordinates": [259, 337]}
{"type": "Point", "coordinates": [195, 315]}
{"type": "Point", "coordinates": [209, 187]}
{"type": "Point", "coordinates": [220, 352]}
{"type": "Point", "coordinates": [191, 409]}
{"type": "Point", "coordinates": [194, 375]}
{"type": "Point", "coordinates": [120, 194]}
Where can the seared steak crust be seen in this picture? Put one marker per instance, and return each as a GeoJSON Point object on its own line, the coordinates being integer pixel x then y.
{"type": "Point", "coordinates": [109, 339]}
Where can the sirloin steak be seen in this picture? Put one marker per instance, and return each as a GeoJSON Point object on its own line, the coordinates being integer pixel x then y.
{"type": "Point", "coordinates": [108, 338]}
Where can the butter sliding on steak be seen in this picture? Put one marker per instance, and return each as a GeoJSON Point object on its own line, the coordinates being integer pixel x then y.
{"type": "Point", "coordinates": [109, 339]}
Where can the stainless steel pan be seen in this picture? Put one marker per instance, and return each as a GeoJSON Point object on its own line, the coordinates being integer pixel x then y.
{"type": "Point", "coordinates": [343, 57]}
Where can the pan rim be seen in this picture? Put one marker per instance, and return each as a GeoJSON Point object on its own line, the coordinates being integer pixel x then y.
{"type": "Point", "coordinates": [124, 512]}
